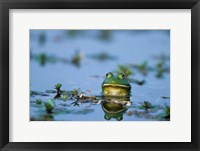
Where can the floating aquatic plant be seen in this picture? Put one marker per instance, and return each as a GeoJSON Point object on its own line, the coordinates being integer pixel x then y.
{"type": "Point", "coordinates": [58, 90]}
{"type": "Point", "coordinates": [76, 92]}
{"type": "Point", "coordinates": [160, 70]}
{"type": "Point", "coordinates": [43, 58]}
{"type": "Point", "coordinates": [166, 112]}
{"type": "Point", "coordinates": [146, 105]}
{"type": "Point", "coordinates": [125, 70]}
{"type": "Point", "coordinates": [58, 86]}
{"type": "Point", "coordinates": [39, 102]}
{"type": "Point", "coordinates": [64, 97]}
{"type": "Point", "coordinates": [105, 35]}
{"type": "Point", "coordinates": [77, 58]}
{"type": "Point", "coordinates": [143, 68]}
{"type": "Point", "coordinates": [161, 67]}
{"type": "Point", "coordinates": [49, 105]}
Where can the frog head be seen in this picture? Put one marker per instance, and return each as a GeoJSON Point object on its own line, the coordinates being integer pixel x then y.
{"type": "Point", "coordinates": [116, 85]}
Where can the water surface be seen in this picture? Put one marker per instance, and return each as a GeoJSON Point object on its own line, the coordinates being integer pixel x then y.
{"type": "Point", "coordinates": [81, 59]}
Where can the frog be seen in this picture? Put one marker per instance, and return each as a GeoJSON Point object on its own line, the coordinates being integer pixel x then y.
{"type": "Point", "coordinates": [116, 85]}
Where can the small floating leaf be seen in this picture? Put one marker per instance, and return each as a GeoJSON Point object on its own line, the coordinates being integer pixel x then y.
{"type": "Point", "coordinates": [146, 105]}
{"type": "Point", "coordinates": [39, 102]}
{"type": "Point", "coordinates": [64, 98]}
{"type": "Point", "coordinates": [49, 105]}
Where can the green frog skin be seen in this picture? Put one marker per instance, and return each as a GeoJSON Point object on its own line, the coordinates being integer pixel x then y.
{"type": "Point", "coordinates": [116, 85]}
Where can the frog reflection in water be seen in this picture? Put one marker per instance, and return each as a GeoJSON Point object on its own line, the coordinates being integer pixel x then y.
{"type": "Point", "coordinates": [115, 107]}
{"type": "Point", "coordinates": [116, 85]}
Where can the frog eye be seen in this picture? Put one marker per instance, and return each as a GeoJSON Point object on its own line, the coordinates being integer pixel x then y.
{"type": "Point", "coordinates": [121, 76]}
{"type": "Point", "coordinates": [109, 75]}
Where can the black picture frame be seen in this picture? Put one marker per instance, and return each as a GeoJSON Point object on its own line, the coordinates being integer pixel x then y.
{"type": "Point", "coordinates": [5, 5]}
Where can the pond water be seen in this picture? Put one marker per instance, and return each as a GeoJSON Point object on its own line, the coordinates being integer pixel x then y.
{"type": "Point", "coordinates": [80, 59]}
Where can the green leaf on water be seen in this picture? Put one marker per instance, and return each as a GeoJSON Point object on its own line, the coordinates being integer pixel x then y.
{"type": "Point", "coordinates": [39, 102]}
{"type": "Point", "coordinates": [146, 105]}
{"type": "Point", "coordinates": [125, 70]}
{"type": "Point", "coordinates": [58, 86]}
{"type": "Point", "coordinates": [49, 105]}
{"type": "Point", "coordinates": [167, 112]}
{"type": "Point", "coordinates": [77, 58]}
